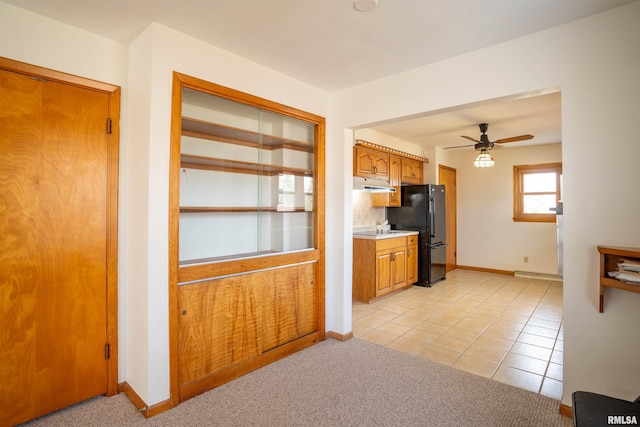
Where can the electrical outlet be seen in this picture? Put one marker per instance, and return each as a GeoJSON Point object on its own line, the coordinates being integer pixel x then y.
{"type": "Point", "coordinates": [526, 259]}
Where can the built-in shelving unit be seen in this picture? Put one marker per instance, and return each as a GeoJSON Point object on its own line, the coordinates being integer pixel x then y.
{"type": "Point", "coordinates": [246, 234]}
{"type": "Point", "coordinates": [610, 257]}
{"type": "Point", "coordinates": [247, 180]}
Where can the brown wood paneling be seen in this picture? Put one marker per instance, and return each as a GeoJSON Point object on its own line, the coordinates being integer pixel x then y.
{"type": "Point", "coordinates": [58, 192]}
{"type": "Point", "coordinates": [219, 324]}
{"type": "Point", "coordinates": [289, 305]}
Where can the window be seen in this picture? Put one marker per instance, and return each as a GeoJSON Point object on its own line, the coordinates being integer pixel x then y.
{"type": "Point", "coordinates": [536, 191]}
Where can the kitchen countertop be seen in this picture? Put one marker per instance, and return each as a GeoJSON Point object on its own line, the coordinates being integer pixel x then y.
{"type": "Point", "coordinates": [372, 235]}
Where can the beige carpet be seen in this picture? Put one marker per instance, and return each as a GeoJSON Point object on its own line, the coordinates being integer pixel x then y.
{"type": "Point", "coordinates": [355, 383]}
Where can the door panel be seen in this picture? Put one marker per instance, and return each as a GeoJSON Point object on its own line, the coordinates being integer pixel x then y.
{"type": "Point", "coordinates": [447, 177]}
{"type": "Point", "coordinates": [53, 263]}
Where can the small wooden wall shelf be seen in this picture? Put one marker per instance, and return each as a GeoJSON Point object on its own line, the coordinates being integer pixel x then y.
{"type": "Point", "coordinates": [609, 258]}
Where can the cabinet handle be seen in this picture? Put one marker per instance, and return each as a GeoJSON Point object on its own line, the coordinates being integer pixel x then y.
{"type": "Point", "coordinates": [375, 169]}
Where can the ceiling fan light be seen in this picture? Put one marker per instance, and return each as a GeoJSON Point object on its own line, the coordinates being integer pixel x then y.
{"type": "Point", "coordinates": [364, 5]}
{"type": "Point", "coordinates": [484, 160]}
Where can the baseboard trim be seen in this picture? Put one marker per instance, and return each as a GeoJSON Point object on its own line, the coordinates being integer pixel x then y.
{"type": "Point", "coordinates": [140, 404]}
{"type": "Point", "coordinates": [541, 276]}
{"type": "Point", "coordinates": [485, 270]}
{"type": "Point", "coordinates": [340, 337]}
{"type": "Point", "coordinates": [566, 410]}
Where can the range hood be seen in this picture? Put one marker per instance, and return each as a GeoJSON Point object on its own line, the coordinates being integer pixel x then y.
{"type": "Point", "coordinates": [372, 185]}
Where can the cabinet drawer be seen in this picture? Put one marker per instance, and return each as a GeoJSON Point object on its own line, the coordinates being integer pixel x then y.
{"type": "Point", "coordinates": [391, 243]}
{"type": "Point", "coordinates": [412, 239]}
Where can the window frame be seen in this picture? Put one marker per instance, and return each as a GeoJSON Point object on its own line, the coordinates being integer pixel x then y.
{"type": "Point", "coordinates": [518, 194]}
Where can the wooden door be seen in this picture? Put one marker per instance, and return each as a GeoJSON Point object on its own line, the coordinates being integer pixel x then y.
{"type": "Point", "coordinates": [55, 248]}
{"type": "Point", "coordinates": [447, 177]}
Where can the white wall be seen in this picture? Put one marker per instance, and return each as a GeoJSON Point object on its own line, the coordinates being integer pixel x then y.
{"type": "Point", "coordinates": [37, 40]}
{"type": "Point", "coordinates": [487, 235]}
{"type": "Point", "coordinates": [595, 61]}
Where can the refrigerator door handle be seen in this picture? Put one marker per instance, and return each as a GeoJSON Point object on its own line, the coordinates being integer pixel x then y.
{"type": "Point", "coordinates": [437, 245]}
{"type": "Point", "coordinates": [432, 216]}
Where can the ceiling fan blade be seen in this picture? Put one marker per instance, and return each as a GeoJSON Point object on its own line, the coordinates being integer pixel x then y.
{"type": "Point", "coordinates": [470, 139]}
{"type": "Point", "coordinates": [459, 146]}
{"type": "Point", "coordinates": [513, 139]}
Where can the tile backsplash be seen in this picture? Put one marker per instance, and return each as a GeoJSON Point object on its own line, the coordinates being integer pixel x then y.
{"type": "Point", "coordinates": [365, 215]}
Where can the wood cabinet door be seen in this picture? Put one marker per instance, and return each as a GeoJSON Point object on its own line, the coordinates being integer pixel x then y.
{"type": "Point", "coordinates": [399, 268]}
{"type": "Point", "coordinates": [220, 325]}
{"type": "Point", "coordinates": [383, 272]}
{"type": "Point", "coordinates": [411, 171]}
{"type": "Point", "coordinates": [395, 178]}
{"type": "Point", "coordinates": [371, 164]}
{"type": "Point", "coordinates": [229, 321]}
{"type": "Point", "coordinates": [289, 305]}
{"type": "Point", "coordinates": [54, 193]}
{"type": "Point", "coordinates": [412, 264]}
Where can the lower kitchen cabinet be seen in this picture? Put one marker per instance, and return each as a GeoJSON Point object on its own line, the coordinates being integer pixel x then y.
{"type": "Point", "coordinates": [382, 267]}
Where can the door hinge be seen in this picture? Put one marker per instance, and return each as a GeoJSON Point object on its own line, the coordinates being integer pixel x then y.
{"type": "Point", "coordinates": [107, 351]}
{"type": "Point", "coordinates": [108, 125]}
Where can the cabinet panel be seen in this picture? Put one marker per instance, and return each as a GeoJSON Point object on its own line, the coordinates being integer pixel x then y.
{"type": "Point", "coordinates": [411, 171]}
{"type": "Point", "coordinates": [399, 267]}
{"type": "Point", "coordinates": [371, 164]}
{"type": "Point", "coordinates": [219, 324]}
{"type": "Point", "coordinates": [383, 272]}
{"type": "Point", "coordinates": [289, 306]}
{"type": "Point", "coordinates": [395, 178]}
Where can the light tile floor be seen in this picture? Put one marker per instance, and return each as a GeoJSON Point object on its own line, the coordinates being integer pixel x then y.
{"type": "Point", "coordinates": [502, 327]}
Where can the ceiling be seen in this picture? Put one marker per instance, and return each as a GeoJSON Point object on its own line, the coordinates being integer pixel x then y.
{"type": "Point", "coordinates": [535, 114]}
{"type": "Point", "coordinates": [332, 46]}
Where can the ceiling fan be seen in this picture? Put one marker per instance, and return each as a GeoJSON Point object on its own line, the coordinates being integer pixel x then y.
{"type": "Point", "coordinates": [484, 159]}
{"type": "Point", "coordinates": [485, 144]}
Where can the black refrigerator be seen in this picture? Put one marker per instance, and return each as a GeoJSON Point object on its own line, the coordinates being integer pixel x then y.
{"type": "Point", "coordinates": [423, 209]}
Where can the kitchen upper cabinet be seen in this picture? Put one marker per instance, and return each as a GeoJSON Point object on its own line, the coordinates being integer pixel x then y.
{"type": "Point", "coordinates": [395, 175]}
{"type": "Point", "coordinates": [411, 171]}
{"type": "Point", "coordinates": [394, 166]}
{"type": "Point", "coordinates": [369, 163]}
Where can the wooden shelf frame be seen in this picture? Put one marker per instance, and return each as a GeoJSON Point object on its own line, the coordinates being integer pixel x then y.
{"type": "Point", "coordinates": [219, 209]}
{"type": "Point", "coordinates": [206, 130]}
{"type": "Point", "coordinates": [190, 161]}
{"type": "Point", "coordinates": [609, 258]}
